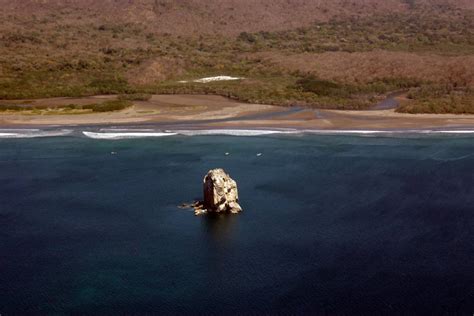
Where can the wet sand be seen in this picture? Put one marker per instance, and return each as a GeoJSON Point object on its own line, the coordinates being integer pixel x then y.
{"type": "Point", "coordinates": [207, 111]}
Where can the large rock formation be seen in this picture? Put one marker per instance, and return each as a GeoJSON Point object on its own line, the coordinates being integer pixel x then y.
{"type": "Point", "coordinates": [220, 192]}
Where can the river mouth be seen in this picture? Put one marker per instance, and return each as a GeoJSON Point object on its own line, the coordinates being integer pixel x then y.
{"type": "Point", "coordinates": [216, 112]}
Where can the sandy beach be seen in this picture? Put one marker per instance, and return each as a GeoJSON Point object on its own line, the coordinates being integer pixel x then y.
{"type": "Point", "coordinates": [208, 111]}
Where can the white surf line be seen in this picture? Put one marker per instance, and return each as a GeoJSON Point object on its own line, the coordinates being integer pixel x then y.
{"type": "Point", "coordinates": [336, 131]}
{"type": "Point", "coordinates": [210, 79]}
{"type": "Point", "coordinates": [125, 135]}
{"type": "Point", "coordinates": [368, 132]}
{"type": "Point", "coordinates": [233, 132]}
{"type": "Point", "coordinates": [456, 132]}
{"type": "Point", "coordinates": [34, 133]}
{"type": "Point", "coordinates": [127, 130]}
{"type": "Point", "coordinates": [130, 133]}
{"type": "Point", "coordinates": [19, 130]}
{"type": "Point", "coordinates": [5, 135]}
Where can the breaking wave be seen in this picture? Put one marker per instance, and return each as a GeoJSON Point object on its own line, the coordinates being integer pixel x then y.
{"type": "Point", "coordinates": [32, 133]}
{"type": "Point", "coordinates": [127, 130]}
{"type": "Point", "coordinates": [126, 135]}
{"type": "Point", "coordinates": [387, 132]}
{"type": "Point", "coordinates": [263, 132]}
{"type": "Point", "coordinates": [141, 133]}
{"type": "Point", "coordinates": [234, 132]}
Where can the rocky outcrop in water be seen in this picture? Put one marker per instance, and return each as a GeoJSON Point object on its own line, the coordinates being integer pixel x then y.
{"type": "Point", "coordinates": [220, 195]}
{"type": "Point", "coordinates": [220, 192]}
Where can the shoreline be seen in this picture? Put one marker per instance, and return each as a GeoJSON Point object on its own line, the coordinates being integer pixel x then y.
{"type": "Point", "coordinates": [137, 133]}
{"type": "Point", "coordinates": [215, 112]}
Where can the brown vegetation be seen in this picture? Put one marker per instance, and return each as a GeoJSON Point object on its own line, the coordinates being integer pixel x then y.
{"type": "Point", "coordinates": [439, 99]}
{"type": "Point", "coordinates": [155, 70]}
{"type": "Point", "coordinates": [202, 16]}
{"type": "Point", "coordinates": [365, 67]}
{"type": "Point", "coordinates": [187, 17]}
{"type": "Point", "coordinates": [290, 52]}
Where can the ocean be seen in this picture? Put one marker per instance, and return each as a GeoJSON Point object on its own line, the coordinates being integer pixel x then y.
{"type": "Point", "coordinates": [332, 224]}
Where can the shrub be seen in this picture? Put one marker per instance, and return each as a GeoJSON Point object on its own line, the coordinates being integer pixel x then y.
{"type": "Point", "coordinates": [439, 99]}
{"type": "Point", "coordinates": [109, 85]}
{"type": "Point", "coordinates": [318, 86]}
{"type": "Point", "coordinates": [247, 37]}
{"type": "Point", "coordinates": [108, 106]}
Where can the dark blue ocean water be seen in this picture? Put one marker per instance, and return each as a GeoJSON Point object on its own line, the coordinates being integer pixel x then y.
{"type": "Point", "coordinates": [331, 224]}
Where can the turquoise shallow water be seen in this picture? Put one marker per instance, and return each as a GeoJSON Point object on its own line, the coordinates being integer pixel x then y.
{"type": "Point", "coordinates": [331, 224]}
